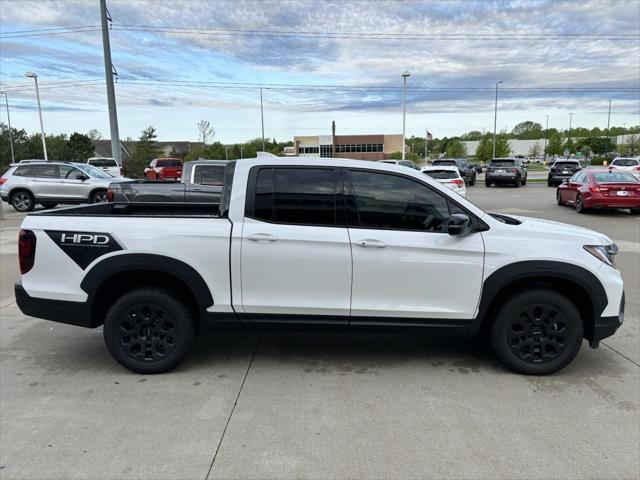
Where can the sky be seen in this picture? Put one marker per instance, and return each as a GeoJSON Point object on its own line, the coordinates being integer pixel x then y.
{"type": "Point", "coordinates": [182, 61]}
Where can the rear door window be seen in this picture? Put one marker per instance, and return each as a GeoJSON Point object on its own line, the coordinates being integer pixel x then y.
{"type": "Point", "coordinates": [297, 196]}
{"type": "Point", "coordinates": [44, 171]}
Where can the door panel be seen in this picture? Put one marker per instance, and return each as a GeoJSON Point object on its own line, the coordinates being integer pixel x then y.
{"type": "Point", "coordinates": [71, 188]}
{"type": "Point", "coordinates": [45, 181]}
{"type": "Point", "coordinates": [404, 262]}
{"type": "Point", "coordinates": [295, 260]}
{"type": "Point", "coordinates": [295, 269]}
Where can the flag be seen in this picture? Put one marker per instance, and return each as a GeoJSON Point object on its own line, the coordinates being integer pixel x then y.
{"type": "Point", "coordinates": [429, 136]}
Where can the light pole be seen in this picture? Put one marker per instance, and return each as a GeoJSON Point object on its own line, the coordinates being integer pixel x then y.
{"type": "Point", "coordinates": [35, 78]}
{"type": "Point", "coordinates": [546, 132]}
{"type": "Point", "coordinates": [495, 120]}
{"type": "Point", "coordinates": [608, 120]}
{"type": "Point", "coordinates": [226, 153]}
{"type": "Point", "coordinates": [262, 119]}
{"type": "Point", "coordinates": [241, 154]}
{"type": "Point", "coordinates": [6, 99]}
{"type": "Point", "coordinates": [570, 118]}
{"type": "Point", "coordinates": [405, 75]}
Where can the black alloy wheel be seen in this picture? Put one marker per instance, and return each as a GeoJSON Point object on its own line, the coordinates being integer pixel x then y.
{"type": "Point", "coordinates": [537, 332]}
{"type": "Point", "coordinates": [149, 330]}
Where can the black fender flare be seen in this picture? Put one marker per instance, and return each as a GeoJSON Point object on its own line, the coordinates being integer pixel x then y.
{"type": "Point", "coordinates": [539, 270]}
{"type": "Point", "coordinates": [123, 262]}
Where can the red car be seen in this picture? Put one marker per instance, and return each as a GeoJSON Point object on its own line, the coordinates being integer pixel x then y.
{"type": "Point", "coordinates": [164, 169]}
{"type": "Point", "coordinates": [600, 189]}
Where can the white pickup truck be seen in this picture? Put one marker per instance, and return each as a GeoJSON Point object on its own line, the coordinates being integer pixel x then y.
{"type": "Point", "coordinates": [322, 243]}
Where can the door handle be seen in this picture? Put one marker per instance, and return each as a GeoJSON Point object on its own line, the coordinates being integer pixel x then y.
{"type": "Point", "coordinates": [262, 237]}
{"type": "Point", "coordinates": [371, 243]}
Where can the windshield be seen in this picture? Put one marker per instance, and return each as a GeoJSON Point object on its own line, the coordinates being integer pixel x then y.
{"type": "Point", "coordinates": [502, 163]}
{"type": "Point", "coordinates": [626, 162]}
{"type": "Point", "coordinates": [448, 163]}
{"type": "Point", "coordinates": [93, 171]}
{"type": "Point", "coordinates": [441, 174]}
{"type": "Point", "coordinates": [614, 177]}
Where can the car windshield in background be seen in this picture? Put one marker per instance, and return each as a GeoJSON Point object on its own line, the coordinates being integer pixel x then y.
{"type": "Point", "coordinates": [614, 177]}
{"type": "Point", "coordinates": [445, 163]}
{"type": "Point", "coordinates": [502, 163]}
{"type": "Point", "coordinates": [93, 171]}
{"type": "Point", "coordinates": [441, 174]}
{"type": "Point", "coordinates": [103, 162]}
{"type": "Point", "coordinates": [626, 162]}
{"type": "Point", "coordinates": [169, 163]}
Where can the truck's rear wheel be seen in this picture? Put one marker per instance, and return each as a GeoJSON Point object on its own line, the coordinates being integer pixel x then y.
{"type": "Point", "coordinates": [537, 332]}
{"type": "Point", "coordinates": [149, 330]}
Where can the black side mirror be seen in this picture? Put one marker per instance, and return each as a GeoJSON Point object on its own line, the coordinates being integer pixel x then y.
{"type": "Point", "coordinates": [458, 224]}
{"type": "Point", "coordinates": [81, 177]}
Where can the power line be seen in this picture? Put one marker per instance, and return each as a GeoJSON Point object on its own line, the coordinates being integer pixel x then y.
{"type": "Point", "coordinates": [42, 32]}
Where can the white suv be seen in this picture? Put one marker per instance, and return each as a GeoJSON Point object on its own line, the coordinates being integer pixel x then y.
{"type": "Point", "coordinates": [109, 165]}
{"type": "Point", "coordinates": [49, 183]}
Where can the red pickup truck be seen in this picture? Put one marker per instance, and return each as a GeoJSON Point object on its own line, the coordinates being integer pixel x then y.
{"type": "Point", "coordinates": [164, 169]}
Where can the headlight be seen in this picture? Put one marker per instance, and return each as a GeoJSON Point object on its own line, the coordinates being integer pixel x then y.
{"type": "Point", "coordinates": [604, 253]}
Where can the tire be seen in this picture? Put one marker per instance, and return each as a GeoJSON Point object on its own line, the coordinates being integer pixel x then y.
{"type": "Point", "coordinates": [524, 182]}
{"type": "Point", "coordinates": [549, 184]}
{"type": "Point", "coordinates": [48, 205]}
{"type": "Point", "coordinates": [517, 184]}
{"type": "Point", "coordinates": [559, 198]}
{"type": "Point", "coordinates": [99, 196]}
{"type": "Point", "coordinates": [141, 341]}
{"type": "Point", "coordinates": [635, 211]}
{"type": "Point", "coordinates": [23, 201]}
{"type": "Point", "coordinates": [579, 205]}
{"type": "Point", "coordinates": [473, 180]}
{"type": "Point", "coordinates": [487, 184]}
{"type": "Point", "coordinates": [537, 332]}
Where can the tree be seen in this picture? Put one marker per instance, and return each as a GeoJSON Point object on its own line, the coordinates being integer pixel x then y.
{"type": "Point", "coordinates": [484, 152]}
{"type": "Point", "coordinates": [472, 135]}
{"type": "Point", "coordinates": [586, 151]}
{"type": "Point", "coordinates": [527, 130]}
{"type": "Point", "coordinates": [631, 145]}
{"type": "Point", "coordinates": [535, 151]}
{"type": "Point", "coordinates": [79, 147]}
{"type": "Point", "coordinates": [94, 134]}
{"type": "Point", "coordinates": [456, 149]}
{"type": "Point", "coordinates": [554, 144]}
{"type": "Point", "coordinates": [145, 150]}
{"type": "Point", "coordinates": [205, 131]}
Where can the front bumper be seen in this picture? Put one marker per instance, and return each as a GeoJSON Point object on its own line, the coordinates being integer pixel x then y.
{"type": "Point", "coordinates": [606, 326]}
{"type": "Point", "coordinates": [71, 313]}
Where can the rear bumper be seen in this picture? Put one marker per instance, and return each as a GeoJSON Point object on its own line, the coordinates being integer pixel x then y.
{"type": "Point", "coordinates": [71, 313]}
{"type": "Point", "coordinates": [606, 326]}
{"type": "Point", "coordinates": [602, 201]}
{"type": "Point", "coordinates": [502, 178]}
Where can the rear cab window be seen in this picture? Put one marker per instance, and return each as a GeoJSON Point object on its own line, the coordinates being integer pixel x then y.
{"type": "Point", "coordinates": [210, 175]}
{"type": "Point", "coordinates": [103, 162]}
{"type": "Point", "coordinates": [168, 163]}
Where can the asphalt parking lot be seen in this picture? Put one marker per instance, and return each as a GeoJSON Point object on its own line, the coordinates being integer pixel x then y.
{"type": "Point", "coordinates": [325, 406]}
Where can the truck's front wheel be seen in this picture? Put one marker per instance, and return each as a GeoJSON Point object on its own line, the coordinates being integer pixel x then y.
{"type": "Point", "coordinates": [537, 332]}
{"type": "Point", "coordinates": [149, 330]}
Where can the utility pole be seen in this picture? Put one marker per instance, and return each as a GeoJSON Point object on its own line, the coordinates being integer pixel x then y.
{"type": "Point", "coordinates": [44, 143]}
{"type": "Point", "coordinates": [262, 119]}
{"type": "Point", "coordinates": [241, 154]}
{"type": "Point", "coordinates": [546, 132]}
{"type": "Point", "coordinates": [608, 120]}
{"type": "Point", "coordinates": [426, 142]}
{"type": "Point", "coordinates": [226, 153]}
{"type": "Point", "coordinates": [6, 99]}
{"type": "Point", "coordinates": [495, 120]}
{"type": "Point", "coordinates": [405, 74]}
{"type": "Point", "coordinates": [109, 72]}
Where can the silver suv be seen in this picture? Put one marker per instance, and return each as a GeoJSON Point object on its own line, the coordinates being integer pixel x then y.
{"type": "Point", "coordinates": [50, 183]}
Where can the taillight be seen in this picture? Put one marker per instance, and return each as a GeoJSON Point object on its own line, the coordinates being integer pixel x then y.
{"type": "Point", "coordinates": [514, 170]}
{"type": "Point", "coordinates": [121, 172]}
{"type": "Point", "coordinates": [2, 180]}
{"type": "Point", "coordinates": [26, 250]}
{"type": "Point", "coordinates": [598, 189]}
{"type": "Point", "coordinates": [110, 194]}
{"type": "Point", "coordinates": [637, 168]}
{"type": "Point", "coordinates": [458, 182]}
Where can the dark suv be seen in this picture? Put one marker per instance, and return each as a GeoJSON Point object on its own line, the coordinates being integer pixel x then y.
{"type": "Point", "coordinates": [506, 170]}
{"type": "Point", "coordinates": [562, 170]}
{"type": "Point", "coordinates": [467, 171]}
